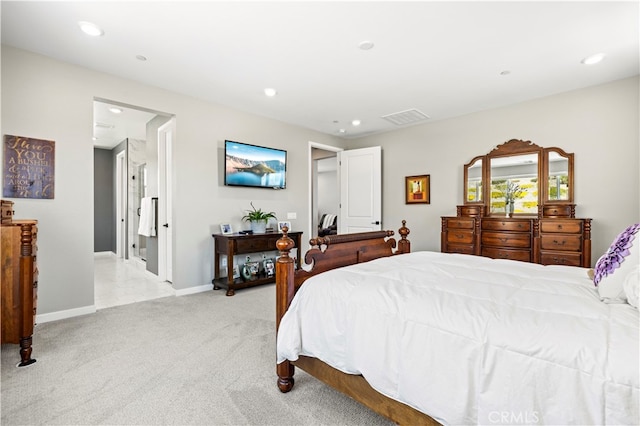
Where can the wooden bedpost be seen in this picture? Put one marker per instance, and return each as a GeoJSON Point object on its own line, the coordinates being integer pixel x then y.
{"type": "Point", "coordinates": [404, 246]}
{"type": "Point", "coordinates": [285, 289]}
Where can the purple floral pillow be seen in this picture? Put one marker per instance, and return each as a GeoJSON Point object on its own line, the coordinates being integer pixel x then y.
{"type": "Point", "coordinates": [612, 267]}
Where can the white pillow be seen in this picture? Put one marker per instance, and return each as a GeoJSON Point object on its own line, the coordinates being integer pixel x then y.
{"type": "Point", "coordinates": [632, 286]}
{"type": "Point", "coordinates": [611, 270]}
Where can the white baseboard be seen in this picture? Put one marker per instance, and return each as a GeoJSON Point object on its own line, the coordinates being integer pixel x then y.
{"type": "Point", "coordinates": [194, 290]}
{"type": "Point", "coordinates": [58, 315]}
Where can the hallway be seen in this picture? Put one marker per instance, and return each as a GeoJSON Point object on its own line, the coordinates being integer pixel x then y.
{"type": "Point", "coordinates": [120, 282]}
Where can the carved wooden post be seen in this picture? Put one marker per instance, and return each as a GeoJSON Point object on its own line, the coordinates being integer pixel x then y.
{"type": "Point", "coordinates": [26, 294]}
{"type": "Point", "coordinates": [404, 246]}
{"type": "Point", "coordinates": [285, 289]}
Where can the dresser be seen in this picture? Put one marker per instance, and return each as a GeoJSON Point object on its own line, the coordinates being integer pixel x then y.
{"type": "Point", "coordinates": [230, 245]}
{"type": "Point", "coordinates": [519, 206]}
{"type": "Point", "coordinates": [19, 284]}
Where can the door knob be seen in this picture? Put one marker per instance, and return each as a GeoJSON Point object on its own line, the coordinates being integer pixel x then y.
{"type": "Point", "coordinates": [377, 222]}
{"type": "Point", "coordinates": [166, 225]}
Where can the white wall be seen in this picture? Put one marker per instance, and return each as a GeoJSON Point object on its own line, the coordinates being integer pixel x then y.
{"type": "Point", "coordinates": [43, 98]}
{"type": "Point", "coordinates": [47, 99]}
{"type": "Point", "coordinates": [599, 125]}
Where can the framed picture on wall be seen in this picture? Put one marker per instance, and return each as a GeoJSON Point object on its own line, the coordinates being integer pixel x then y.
{"type": "Point", "coordinates": [416, 189]}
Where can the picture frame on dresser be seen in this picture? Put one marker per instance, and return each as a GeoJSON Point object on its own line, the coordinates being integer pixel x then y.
{"type": "Point", "coordinates": [282, 225]}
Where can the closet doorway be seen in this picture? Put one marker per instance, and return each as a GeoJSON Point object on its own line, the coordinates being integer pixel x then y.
{"type": "Point", "coordinates": [324, 183]}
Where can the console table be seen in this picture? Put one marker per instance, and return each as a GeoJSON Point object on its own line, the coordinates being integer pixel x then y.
{"type": "Point", "coordinates": [234, 244]}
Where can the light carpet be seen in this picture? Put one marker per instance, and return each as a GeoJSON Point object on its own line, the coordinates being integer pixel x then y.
{"type": "Point", "coordinates": [203, 359]}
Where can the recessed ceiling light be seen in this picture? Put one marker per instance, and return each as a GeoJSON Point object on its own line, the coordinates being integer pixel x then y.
{"type": "Point", "coordinates": [593, 59]}
{"type": "Point", "coordinates": [366, 45]}
{"type": "Point", "coordinates": [270, 92]}
{"type": "Point", "coordinates": [356, 122]}
{"type": "Point", "coordinates": [115, 110]}
{"type": "Point", "coordinates": [141, 58]}
{"type": "Point", "coordinates": [90, 28]}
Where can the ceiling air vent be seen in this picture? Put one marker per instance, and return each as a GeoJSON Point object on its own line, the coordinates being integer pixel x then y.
{"type": "Point", "coordinates": [403, 118]}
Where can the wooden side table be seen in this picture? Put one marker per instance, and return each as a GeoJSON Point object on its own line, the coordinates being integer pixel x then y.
{"type": "Point", "coordinates": [234, 244]}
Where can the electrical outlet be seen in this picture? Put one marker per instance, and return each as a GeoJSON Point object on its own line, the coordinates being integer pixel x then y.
{"type": "Point", "coordinates": [224, 262]}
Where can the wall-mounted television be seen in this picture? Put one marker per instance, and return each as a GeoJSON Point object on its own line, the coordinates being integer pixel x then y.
{"type": "Point", "coordinates": [255, 166]}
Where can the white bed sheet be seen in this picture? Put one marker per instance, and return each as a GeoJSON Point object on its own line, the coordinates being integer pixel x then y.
{"type": "Point", "coordinates": [473, 340]}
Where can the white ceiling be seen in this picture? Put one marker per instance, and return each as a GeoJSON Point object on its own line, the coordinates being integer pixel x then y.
{"type": "Point", "coordinates": [441, 58]}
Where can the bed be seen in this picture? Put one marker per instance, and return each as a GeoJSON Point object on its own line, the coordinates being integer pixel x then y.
{"type": "Point", "coordinates": [429, 338]}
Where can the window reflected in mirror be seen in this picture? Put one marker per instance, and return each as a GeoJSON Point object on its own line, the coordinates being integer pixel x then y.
{"type": "Point", "coordinates": [514, 184]}
{"type": "Point", "coordinates": [558, 184]}
{"type": "Point", "coordinates": [474, 182]}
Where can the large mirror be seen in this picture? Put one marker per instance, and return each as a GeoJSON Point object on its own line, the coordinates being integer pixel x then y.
{"type": "Point", "coordinates": [517, 177]}
{"type": "Point", "coordinates": [473, 181]}
{"type": "Point", "coordinates": [559, 175]}
{"type": "Point", "coordinates": [514, 184]}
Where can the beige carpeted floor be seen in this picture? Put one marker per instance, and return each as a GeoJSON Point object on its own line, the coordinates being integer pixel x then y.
{"type": "Point", "coordinates": [203, 359]}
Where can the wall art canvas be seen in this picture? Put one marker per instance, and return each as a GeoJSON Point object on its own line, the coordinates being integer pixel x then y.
{"type": "Point", "coordinates": [29, 168]}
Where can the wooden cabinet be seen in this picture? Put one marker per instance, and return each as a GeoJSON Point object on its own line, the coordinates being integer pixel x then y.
{"type": "Point", "coordinates": [19, 284]}
{"type": "Point", "coordinates": [519, 205]}
{"type": "Point", "coordinates": [459, 234]}
{"type": "Point", "coordinates": [507, 238]}
{"type": "Point", "coordinates": [565, 242]}
{"type": "Point", "coordinates": [549, 241]}
{"type": "Point", "coordinates": [234, 244]}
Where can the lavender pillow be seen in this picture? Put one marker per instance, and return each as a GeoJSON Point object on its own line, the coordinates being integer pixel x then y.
{"type": "Point", "coordinates": [613, 267]}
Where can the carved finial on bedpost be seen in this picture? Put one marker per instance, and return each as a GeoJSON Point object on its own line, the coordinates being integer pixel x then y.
{"type": "Point", "coordinates": [404, 246]}
{"type": "Point", "coordinates": [284, 295]}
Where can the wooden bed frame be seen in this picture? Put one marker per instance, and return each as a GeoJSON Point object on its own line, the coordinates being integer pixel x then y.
{"type": "Point", "coordinates": [327, 253]}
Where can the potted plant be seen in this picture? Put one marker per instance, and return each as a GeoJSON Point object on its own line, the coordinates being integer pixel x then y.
{"type": "Point", "coordinates": [258, 219]}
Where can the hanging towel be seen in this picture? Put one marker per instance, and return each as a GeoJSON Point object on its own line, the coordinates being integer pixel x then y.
{"type": "Point", "coordinates": [328, 220]}
{"type": "Point", "coordinates": [147, 218]}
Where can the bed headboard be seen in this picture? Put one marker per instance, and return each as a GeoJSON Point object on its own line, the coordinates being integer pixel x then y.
{"type": "Point", "coordinates": [330, 252]}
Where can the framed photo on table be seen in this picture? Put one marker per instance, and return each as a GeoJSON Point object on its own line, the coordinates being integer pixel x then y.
{"type": "Point", "coordinates": [282, 225]}
{"type": "Point", "coordinates": [226, 229]}
{"type": "Point", "coordinates": [416, 189]}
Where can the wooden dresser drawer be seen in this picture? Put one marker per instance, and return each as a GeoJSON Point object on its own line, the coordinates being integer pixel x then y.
{"type": "Point", "coordinates": [558, 210]}
{"type": "Point", "coordinates": [6, 207]}
{"type": "Point", "coordinates": [251, 245]}
{"type": "Point", "coordinates": [473, 211]}
{"type": "Point", "coordinates": [560, 258]}
{"type": "Point", "coordinates": [506, 239]}
{"type": "Point", "coordinates": [459, 223]}
{"type": "Point", "coordinates": [462, 249]}
{"type": "Point", "coordinates": [497, 253]}
{"type": "Point", "coordinates": [561, 242]}
{"type": "Point", "coordinates": [561, 226]}
{"type": "Point", "coordinates": [507, 225]}
{"type": "Point", "coordinates": [460, 236]}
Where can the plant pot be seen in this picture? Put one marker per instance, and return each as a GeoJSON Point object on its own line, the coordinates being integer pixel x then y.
{"type": "Point", "coordinates": [259, 227]}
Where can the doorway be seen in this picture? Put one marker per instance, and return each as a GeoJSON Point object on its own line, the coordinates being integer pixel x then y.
{"type": "Point", "coordinates": [127, 269]}
{"type": "Point", "coordinates": [324, 183]}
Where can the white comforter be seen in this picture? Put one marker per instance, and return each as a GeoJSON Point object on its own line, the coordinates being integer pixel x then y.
{"type": "Point", "coordinates": [472, 340]}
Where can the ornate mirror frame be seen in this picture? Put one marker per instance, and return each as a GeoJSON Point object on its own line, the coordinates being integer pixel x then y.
{"type": "Point", "coordinates": [548, 193]}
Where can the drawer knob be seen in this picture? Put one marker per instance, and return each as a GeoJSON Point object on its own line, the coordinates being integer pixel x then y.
{"type": "Point", "coordinates": [559, 243]}
{"type": "Point", "coordinates": [459, 236]}
{"type": "Point", "coordinates": [504, 240]}
{"type": "Point", "coordinates": [559, 260]}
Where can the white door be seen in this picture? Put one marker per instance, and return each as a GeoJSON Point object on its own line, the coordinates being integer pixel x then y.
{"type": "Point", "coordinates": [121, 203]}
{"type": "Point", "coordinates": [360, 176]}
{"type": "Point", "coordinates": [165, 190]}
